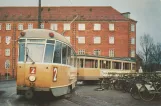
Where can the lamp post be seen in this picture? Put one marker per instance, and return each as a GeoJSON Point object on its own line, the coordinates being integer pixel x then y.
{"type": "Point", "coordinates": [39, 15]}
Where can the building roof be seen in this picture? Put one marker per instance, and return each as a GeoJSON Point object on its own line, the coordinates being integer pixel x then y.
{"type": "Point", "coordinates": [63, 13]}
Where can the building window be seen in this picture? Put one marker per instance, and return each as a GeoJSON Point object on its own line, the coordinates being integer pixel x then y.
{"type": "Point", "coordinates": [81, 40]}
{"type": "Point", "coordinates": [30, 26]}
{"type": "Point", "coordinates": [111, 53]}
{"type": "Point", "coordinates": [97, 27]}
{"type": "Point", "coordinates": [97, 52]}
{"type": "Point", "coordinates": [111, 27]}
{"type": "Point", "coordinates": [8, 26]}
{"type": "Point", "coordinates": [8, 40]}
{"type": "Point", "coordinates": [81, 26]}
{"type": "Point", "coordinates": [68, 38]}
{"type": "Point", "coordinates": [54, 27]}
{"type": "Point", "coordinates": [42, 25]}
{"type": "Point", "coordinates": [111, 40]}
{"type": "Point", "coordinates": [132, 27]}
{"type": "Point", "coordinates": [97, 40]}
{"type": "Point", "coordinates": [81, 52]}
{"type": "Point", "coordinates": [0, 26]}
{"type": "Point", "coordinates": [66, 27]}
{"type": "Point", "coordinates": [132, 41]}
{"type": "Point", "coordinates": [132, 53]}
{"type": "Point", "coordinates": [7, 52]}
{"type": "Point", "coordinates": [20, 26]}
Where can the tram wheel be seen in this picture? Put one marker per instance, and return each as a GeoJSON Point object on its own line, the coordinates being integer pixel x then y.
{"type": "Point", "coordinates": [29, 94]}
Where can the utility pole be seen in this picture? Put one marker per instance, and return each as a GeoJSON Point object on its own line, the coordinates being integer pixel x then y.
{"type": "Point", "coordinates": [39, 15]}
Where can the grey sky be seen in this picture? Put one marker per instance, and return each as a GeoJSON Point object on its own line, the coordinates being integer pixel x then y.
{"type": "Point", "coordinates": [146, 12]}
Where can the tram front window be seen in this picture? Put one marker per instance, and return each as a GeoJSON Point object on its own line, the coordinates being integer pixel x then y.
{"type": "Point", "coordinates": [35, 52]}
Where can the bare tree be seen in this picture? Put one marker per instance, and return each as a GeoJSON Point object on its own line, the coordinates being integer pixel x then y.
{"type": "Point", "coordinates": [146, 43]}
{"type": "Point", "coordinates": [155, 53]}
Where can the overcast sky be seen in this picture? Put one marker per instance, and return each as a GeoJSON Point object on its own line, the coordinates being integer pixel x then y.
{"type": "Point", "coordinates": [146, 12]}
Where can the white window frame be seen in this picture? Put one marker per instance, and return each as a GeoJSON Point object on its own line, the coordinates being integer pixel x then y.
{"type": "Point", "coordinates": [54, 26]}
{"type": "Point", "coordinates": [66, 26]}
{"type": "Point", "coordinates": [81, 27]}
{"type": "Point", "coordinates": [30, 25]}
{"type": "Point", "coordinates": [132, 27]}
{"type": "Point", "coordinates": [97, 52]}
{"type": "Point", "coordinates": [132, 40]}
{"type": "Point", "coordinates": [20, 26]}
{"type": "Point", "coordinates": [42, 26]}
{"type": "Point", "coordinates": [111, 40]}
{"type": "Point", "coordinates": [97, 27]}
{"type": "Point", "coordinates": [111, 53]}
{"type": "Point", "coordinates": [81, 40]}
{"type": "Point", "coordinates": [68, 38]}
{"type": "Point", "coordinates": [111, 26]}
{"type": "Point", "coordinates": [97, 40]}
{"type": "Point", "coordinates": [7, 52]}
{"type": "Point", "coordinates": [8, 26]}
{"type": "Point", "coordinates": [81, 52]}
{"type": "Point", "coordinates": [132, 53]}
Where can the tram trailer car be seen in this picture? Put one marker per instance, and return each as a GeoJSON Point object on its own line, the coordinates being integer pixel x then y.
{"type": "Point", "coordinates": [46, 62]}
{"type": "Point", "coordinates": [91, 68]}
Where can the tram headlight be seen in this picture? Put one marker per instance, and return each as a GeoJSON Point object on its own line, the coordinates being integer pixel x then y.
{"type": "Point", "coordinates": [32, 78]}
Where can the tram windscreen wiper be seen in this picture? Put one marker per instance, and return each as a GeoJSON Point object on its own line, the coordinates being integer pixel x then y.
{"type": "Point", "coordinates": [27, 56]}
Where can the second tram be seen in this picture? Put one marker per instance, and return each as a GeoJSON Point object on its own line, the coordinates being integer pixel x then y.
{"type": "Point", "coordinates": [95, 67]}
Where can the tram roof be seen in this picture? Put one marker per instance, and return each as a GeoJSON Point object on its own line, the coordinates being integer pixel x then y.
{"type": "Point", "coordinates": [111, 58]}
{"type": "Point", "coordinates": [44, 33]}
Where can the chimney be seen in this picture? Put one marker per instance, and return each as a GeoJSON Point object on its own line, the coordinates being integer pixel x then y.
{"type": "Point", "coordinates": [126, 15]}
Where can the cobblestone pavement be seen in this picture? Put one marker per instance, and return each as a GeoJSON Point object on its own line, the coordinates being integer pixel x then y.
{"type": "Point", "coordinates": [84, 95]}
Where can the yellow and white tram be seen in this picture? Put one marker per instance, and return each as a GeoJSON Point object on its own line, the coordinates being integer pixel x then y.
{"type": "Point", "coordinates": [95, 67]}
{"type": "Point", "coordinates": [46, 62]}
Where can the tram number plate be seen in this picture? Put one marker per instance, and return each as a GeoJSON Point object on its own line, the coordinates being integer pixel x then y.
{"type": "Point", "coordinates": [32, 84]}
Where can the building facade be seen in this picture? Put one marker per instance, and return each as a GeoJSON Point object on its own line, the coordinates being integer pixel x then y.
{"type": "Point", "coordinates": [91, 30]}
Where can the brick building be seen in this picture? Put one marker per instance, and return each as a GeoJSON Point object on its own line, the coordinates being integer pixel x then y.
{"type": "Point", "coordinates": [91, 30]}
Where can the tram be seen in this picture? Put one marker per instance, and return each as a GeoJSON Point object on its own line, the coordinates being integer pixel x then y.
{"type": "Point", "coordinates": [47, 63]}
{"type": "Point", "coordinates": [94, 67]}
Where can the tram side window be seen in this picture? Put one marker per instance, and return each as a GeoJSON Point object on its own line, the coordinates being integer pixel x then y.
{"type": "Point", "coordinates": [81, 63]}
{"type": "Point", "coordinates": [105, 64]}
{"type": "Point", "coordinates": [116, 65]}
{"type": "Point", "coordinates": [127, 66]}
{"type": "Point", "coordinates": [68, 55]}
{"type": "Point", "coordinates": [21, 51]}
{"type": "Point", "coordinates": [96, 63]}
{"type": "Point", "coordinates": [49, 53]}
{"type": "Point", "coordinates": [64, 54]}
{"type": "Point", "coordinates": [133, 67]}
{"type": "Point", "coordinates": [57, 53]}
{"type": "Point", "coordinates": [89, 63]}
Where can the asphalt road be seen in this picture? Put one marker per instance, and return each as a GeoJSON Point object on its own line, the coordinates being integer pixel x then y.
{"type": "Point", "coordinates": [84, 95]}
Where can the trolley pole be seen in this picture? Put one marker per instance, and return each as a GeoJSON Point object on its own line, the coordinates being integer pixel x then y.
{"type": "Point", "coordinates": [39, 15]}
